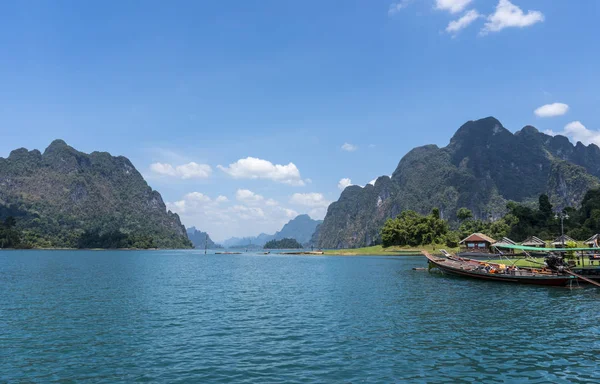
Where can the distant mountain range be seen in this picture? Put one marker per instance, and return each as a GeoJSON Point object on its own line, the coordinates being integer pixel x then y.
{"type": "Point", "coordinates": [300, 228]}
{"type": "Point", "coordinates": [201, 239]}
{"type": "Point", "coordinates": [59, 195]}
{"type": "Point", "coordinates": [483, 167]}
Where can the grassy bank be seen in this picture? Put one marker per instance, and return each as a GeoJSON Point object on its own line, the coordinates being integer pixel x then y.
{"type": "Point", "coordinates": [378, 250]}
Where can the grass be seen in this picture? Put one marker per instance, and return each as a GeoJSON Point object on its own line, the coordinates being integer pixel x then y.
{"type": "Point", "coordinates": [378, 250]}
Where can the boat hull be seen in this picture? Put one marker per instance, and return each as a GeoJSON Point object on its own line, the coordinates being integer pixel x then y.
{"type": "Point", "coordinates": [547, 280]}
{"type": "Point", "coordinates": [556, 281]}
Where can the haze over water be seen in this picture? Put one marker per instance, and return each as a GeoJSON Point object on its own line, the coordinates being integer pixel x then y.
{"type": "Point", "coordinates": [181, 316]}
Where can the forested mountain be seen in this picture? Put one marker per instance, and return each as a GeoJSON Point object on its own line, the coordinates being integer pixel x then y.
{"type": "Point", "coordinates": [201, 239]}
{"type": "Point", "coordinates": [301, 228]}
{"type": "Point", "coordinates": [483, 167]}
{"type": "Point", "coordinates": [66, 198]}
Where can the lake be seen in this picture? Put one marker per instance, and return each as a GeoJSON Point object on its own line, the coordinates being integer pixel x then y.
{"type": "Point", "coordinates": [186, 317]}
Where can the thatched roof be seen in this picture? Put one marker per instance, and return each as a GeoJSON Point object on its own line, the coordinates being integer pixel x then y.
{"type": "Point", "coordinates": [477, 237]}
{"type": "Point", "coordinates": [504, 241]}
{"type": "Point", "coordinates": [533, 241]}
{"type": "Point", "coordinates": [592, 240]}
{"type": "Point", "coordinates": [562, 240]}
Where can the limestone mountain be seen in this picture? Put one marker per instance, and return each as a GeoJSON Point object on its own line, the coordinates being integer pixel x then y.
{"type": "Point", "coordinates": [483, 167]}
{"type": "Point", "coordinates": [201, 239]}
{"type": "Point", "coordinates": [62, 194]}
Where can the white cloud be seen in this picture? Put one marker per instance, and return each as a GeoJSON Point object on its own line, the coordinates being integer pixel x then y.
{"type": "Point", "coordinates": [221, 199]}
{"type": "Point", "coordinates": [372, 182]}
{"type": "Point", "coordinates": [456, 25]}
{"type": "Point", "coordinates": [249, 216]}
{"type": "Point", "coordinates": [551, 110]}
{"type": "Point", "coordinates": [271, 203]}
{"type": "Point", "coordinates": [349, 147]}
{"type": "Point", "coordinates": [186, 171]}
{"type": "Point", "coordinates": [197, 196]}
{"type": "Point", "coordinates": [509, 15]}
{"type": "Point", "coordinates": [452, 6]}
{"type": "Point", "coordinates": [398, 6]}
{"type": "Point", "coordinates": [343, 183]}
{"type": "Point", "coordinates": [309, 199]}
{"type": "Point", "coordinates": [254, 168]}
{"type": "Point", "coordinates": [247, 196]}
{"type": "Point", "coordinates": [576, 131]}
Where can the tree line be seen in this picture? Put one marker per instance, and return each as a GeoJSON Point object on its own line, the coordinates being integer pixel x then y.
{"type": "Point", "coordinates": [521, 221]}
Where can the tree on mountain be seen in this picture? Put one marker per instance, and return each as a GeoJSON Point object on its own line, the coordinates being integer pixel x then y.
{"type": "Point", "coordinates": [464, 214]}
{"type": "Point", "coordinates": [413, 229]}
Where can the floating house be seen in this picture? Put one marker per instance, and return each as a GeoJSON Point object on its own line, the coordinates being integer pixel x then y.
{"type": "Point", "coordinates": [477, 242]}
{"type": "Point", "coordinates": [561, 241]}
{"type": "Point", "coordinates": [533, 241]}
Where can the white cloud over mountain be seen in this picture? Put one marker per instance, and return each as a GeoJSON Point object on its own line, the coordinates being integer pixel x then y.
{"type": "Point", "coordinates": [190, 170]}
{"type": "Point", "coordinates": [343, 183]}
{"type": "Point", "coordinates": [551, 110]}
{"type": "Point", "coordinates": [254, 168]}
{"type": "Point", "coordinates": [576, 131]}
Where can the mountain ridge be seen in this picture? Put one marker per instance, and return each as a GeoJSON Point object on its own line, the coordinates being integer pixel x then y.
{"type": "Point", "coordinates": [482, 168]}
{"type": "Point", "coordinates": [301, 228]}
{"type": "Point", "coordinates": [62, 193]}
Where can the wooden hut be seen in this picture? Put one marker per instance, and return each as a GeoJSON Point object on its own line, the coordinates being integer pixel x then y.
{"type": "Point", "coordinates": [477, 242]}
{"type": "Point", "coordinates": [533, 241]}
{"type": "Point", "coordinates": [561, 241]}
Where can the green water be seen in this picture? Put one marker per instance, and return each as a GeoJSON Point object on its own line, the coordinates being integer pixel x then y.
{"type": "Point", "coordinates": [183, 317]}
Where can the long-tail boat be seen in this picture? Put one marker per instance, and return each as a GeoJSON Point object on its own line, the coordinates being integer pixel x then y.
{"type": "Point", "coordinates": [484, 270]}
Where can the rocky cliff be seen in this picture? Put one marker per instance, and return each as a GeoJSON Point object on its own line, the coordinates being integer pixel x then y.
{"type": "Point", "coordinates": [62, 193]}
{"type": "Point", "coordinates": [483, 167]}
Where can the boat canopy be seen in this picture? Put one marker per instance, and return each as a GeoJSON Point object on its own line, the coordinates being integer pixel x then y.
{"type": "Point", "coordinates": [537, 249]}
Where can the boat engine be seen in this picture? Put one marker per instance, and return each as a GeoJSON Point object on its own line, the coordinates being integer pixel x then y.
{"type": "Point", "coordinates": [555, 262]}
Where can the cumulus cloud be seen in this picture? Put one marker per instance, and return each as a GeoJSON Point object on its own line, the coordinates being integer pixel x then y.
{"type": "Point", "coordinates": [372, 182]}
{"type": "Point", "coordinates": [247, 196]}
{"type": "Point", "coordinates": [398, 6]}
{"type": "Point", "coordinates": [349, 147]}
{"type": "Point", "coordinates": [343, 183]}
{"type": "Point", "coordinates": [576, 131]}
{"type": "Point", "coordinates": [457, 25]}
{"type": "Point", "coordinates": [551, 110]}
{"type": "Point", "coordinates": [508, 15]}
{"type": "Point", "coordinates": [309, 199]}
{"type": "Point", "coordinates": [250, 215]}
{"type": "Point", "coordinates": [221, 199]}
{"type": "Point", "coordinates": [185, 171]}
{"type": "Point", "coordinates": [452, 6]}
{"type": "Point", "coordinates": [254, 168]}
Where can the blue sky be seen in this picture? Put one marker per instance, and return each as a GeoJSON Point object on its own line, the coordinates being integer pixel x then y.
{"type": "Point", "coordinates": [183, 87]}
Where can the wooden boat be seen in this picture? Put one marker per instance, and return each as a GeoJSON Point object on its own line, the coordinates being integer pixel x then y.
{"type": "Point", "coordinates": [477, 269]}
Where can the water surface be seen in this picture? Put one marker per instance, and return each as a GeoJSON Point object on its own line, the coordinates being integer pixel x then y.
{"type": "Point", "coordinates": [186, 317]}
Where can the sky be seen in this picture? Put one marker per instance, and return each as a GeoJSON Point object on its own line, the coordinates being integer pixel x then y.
{"type": "Point", "coordinates": [244, 114]}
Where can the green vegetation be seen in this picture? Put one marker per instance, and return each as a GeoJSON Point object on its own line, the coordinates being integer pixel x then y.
{"type": "Point", "coordinates": [379, 250]}
{"type": "Point", "coordinates": [10, 237]}
{"type": "Point", "coordinates": [64, 198]}
{"type": "Point", "coordinates": [412, 229]}
{"type": "Point", "coordinates": [285, 243]}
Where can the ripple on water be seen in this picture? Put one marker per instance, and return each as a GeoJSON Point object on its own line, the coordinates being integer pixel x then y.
{"type": "Point", "coordinates": [184, 317]}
